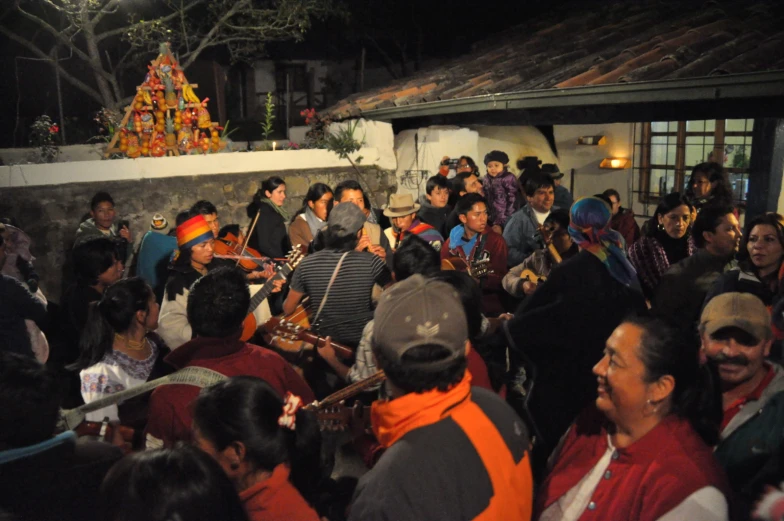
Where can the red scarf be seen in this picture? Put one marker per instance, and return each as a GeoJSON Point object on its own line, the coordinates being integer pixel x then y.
{"type": "Point", "coordinates": [393, 419]}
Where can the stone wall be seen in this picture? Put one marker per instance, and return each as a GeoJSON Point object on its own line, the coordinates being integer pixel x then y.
{"type": "Point", "coordinates": [51, 214]}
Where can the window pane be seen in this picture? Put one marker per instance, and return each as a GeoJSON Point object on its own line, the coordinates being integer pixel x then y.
{"type": "Point", "coordinates": [672, 140]}
{"type": "Point", "coordinates": [737, 156]}
{"type": "Point", "coordinates": [659, 126]}
{"type": "Point", "coordinates": [662, 181]}
{"type": "Point", "coordinates": [658, 140]}
{"type": "Point", "coordinates": [695, 126]}
{"type": "Point", "coordinates": [735, 125]}
{"type": "Point", "coordinates": [749, 125]}
{"type": "Point", "coordinates": [695, 154]}
{"type": "Point", "coordinates": [672, 126]}
{"type": "Point", "coordinates": [658, 154]}
{"type": "Point", "coordinates": [710, 125]}
{"type": "Point", "coordinates": [695, 140]}
{"type": "Point", "coordinates": [671, 151]}
{"type": "Point", "coordinates": [740, 186]}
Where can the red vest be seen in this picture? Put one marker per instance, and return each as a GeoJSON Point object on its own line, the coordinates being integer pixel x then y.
{"type": "Point", "coordinates": [644, 481]}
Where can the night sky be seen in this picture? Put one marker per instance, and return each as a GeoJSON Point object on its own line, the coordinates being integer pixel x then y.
{"type": "Point", "coordinates": [424, 31]}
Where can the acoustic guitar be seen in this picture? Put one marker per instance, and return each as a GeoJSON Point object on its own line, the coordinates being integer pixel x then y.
{"type": "Point", "coordinates": [476, 269]}
{"type": "Point", "coordinates": [331, 412]}
{"type": "Point", "coordinates": [530, 276]}
{"type": "Point", "coordinates": [249, 326]}
{"type": "Point", "coordinates": [293, 338]}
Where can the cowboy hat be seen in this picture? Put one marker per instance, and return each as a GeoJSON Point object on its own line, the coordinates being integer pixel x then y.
{"type": "Point", "coordinates": [401, 205]}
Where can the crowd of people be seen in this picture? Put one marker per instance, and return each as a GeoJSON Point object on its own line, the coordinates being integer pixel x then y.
{"type": "Point", "coordinates": [511, 353]}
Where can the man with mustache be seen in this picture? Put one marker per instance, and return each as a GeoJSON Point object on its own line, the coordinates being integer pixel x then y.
{"type": "Point", "coordinates": [735, 330]}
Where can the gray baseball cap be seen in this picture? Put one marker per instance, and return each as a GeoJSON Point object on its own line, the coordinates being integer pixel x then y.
{"type": "Point", "coordinates": [416, 312]}
{"type": "Point", "coordinates": [346, 219]}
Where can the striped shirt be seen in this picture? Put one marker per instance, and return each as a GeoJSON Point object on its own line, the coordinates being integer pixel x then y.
{"type": "Point", "coordinates": [349, 305]}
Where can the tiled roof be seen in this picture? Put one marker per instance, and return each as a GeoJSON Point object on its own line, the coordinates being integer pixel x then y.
{"type": "Point", "coordinates": [597, 44]}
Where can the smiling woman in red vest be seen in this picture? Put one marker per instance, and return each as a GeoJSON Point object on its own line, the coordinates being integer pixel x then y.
{"type": "Point", "coordinates": [642, 452]}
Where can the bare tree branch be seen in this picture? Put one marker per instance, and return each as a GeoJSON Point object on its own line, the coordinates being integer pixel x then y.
{"type": "Point", "coordinates": [38, 52]}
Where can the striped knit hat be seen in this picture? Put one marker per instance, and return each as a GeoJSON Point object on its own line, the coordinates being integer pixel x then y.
{"type": "Point", "coordinates": [192, 232]}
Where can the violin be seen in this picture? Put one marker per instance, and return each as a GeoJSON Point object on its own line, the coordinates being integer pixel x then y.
{"type": "Point", "coordinates": [230, 247]}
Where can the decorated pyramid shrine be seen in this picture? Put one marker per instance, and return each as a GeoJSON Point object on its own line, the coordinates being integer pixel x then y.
{"type": "Point", "coordinates": [166, 117]}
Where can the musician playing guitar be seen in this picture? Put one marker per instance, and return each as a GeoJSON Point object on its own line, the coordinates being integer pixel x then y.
{"type": "Point", "coordinates": [523, 279]}
{"type": "Point", "coordinates": [473, 241]}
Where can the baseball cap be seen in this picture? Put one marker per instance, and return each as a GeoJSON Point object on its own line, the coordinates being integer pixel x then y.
{"type": "Point", "coordinates": [417, 312]}
{"type": "Point", "coordinates": [742, 310]}
{"type": "Point", "coordinates": [346, 219]}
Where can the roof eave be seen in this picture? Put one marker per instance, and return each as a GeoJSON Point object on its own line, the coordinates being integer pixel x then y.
{"type": "Point", "coordinates": [736, 86]}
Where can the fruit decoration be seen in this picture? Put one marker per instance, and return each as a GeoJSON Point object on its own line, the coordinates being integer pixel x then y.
{"type": "Point", "coordinates": [166, 116]}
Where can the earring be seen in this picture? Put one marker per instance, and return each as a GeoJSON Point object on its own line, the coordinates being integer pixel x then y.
{"type": "Point", "coordinates": [661, 227]}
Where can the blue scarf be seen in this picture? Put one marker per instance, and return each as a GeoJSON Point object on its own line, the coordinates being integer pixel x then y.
{"type": "Point", "coordinates": [7, 456]}
{"type": "Point", "coordinates": [589, 227]}
{"type": "Point", "coordinates": [456, 240]}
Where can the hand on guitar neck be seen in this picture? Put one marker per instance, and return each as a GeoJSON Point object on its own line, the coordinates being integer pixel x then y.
{"type": "Point", "coordinates": [546, 236]}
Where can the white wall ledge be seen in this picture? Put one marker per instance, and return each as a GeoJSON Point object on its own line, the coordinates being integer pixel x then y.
{"type": "Point", "coordinates": [158, 167]}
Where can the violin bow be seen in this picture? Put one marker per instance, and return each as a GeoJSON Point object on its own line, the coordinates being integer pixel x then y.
{"type": "Point", "coordinates": [247, 237]}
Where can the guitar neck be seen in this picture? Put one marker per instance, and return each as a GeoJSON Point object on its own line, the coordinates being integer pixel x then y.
{"type": "Point", "coordinates": [267, 288]}
{"type": "Point", "coordinates": [348, 392]}
{"type": "Point", "coordinates": [319, 341]}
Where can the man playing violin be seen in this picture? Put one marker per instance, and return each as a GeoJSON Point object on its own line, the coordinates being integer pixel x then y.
{"type": "Point", "coordinates": [473, 241]}
{"type": "Point", "coordinates": [523, 279]}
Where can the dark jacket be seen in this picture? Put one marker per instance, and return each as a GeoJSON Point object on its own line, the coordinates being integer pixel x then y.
{"type": "Point", "coordinates": [623, 222]}
{"type": "Point", "coordinates": [741, 280]}
{"type": "Point", "coordinates": [521, 234]}
{"type": "Point", "coordinates": [563, 197]}
{"type": "Point", "coordinates": [16, 305]}
{"type": "Point", "coordinates": [678, 299]}
{"type": "Point", "coordinates": [56, 479]}
{"type": "Point", "coordinates": [270, 237]}
{"type": "Point", "coordinates": [562, 329]}
{"type": "Point", "coordinates": [435, 217]}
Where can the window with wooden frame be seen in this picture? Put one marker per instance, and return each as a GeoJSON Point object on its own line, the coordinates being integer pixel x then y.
{"type": "Point", "coordinates": [667, 151]}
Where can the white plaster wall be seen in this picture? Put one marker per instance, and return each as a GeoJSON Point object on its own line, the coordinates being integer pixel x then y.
{"type": "Point", "coordinates": [155, 167]}
{"type": "Point", "coordinates": [584, 159]}
{"type": "Point", "coordinates": [517, 142]}
{"type": "Point", "coordinates": [377, 135]}
{"type": "Point", "coordinates": [433, 144]}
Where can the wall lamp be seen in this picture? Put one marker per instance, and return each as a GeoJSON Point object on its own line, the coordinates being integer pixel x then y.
{"type": "Point", "coordinates": [614, 163]}
{"type": "Point", "coordinates": [592, 140]}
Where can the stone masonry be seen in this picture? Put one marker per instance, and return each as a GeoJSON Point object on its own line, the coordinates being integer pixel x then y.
{"type": "Point", "coordinates": [51, 214]}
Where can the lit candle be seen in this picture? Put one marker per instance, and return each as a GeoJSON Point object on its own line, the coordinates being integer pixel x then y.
{"type": "Point", "coordinates": [616, 163]}
{"type": "Point", "coordinates": [274, 145]}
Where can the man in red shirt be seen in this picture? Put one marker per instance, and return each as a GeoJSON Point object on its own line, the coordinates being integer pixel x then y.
{"type": "Point", "coordinates": [736, 335]}
{"type": "Point", "coordinates": [217, 306]}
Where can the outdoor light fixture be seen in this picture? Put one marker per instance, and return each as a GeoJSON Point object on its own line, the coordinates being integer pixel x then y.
{"type": "Point", "coordinates": [614, 163]}
{"type": "Point", "coordinates": [592, 140]}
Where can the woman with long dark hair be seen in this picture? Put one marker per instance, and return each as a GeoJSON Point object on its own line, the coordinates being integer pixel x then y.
{"type": "Point", "coordinates": [312, 217]}
{"type": "Point", "coordinates": [119, 349]}
{"type": "Point", "coordinates": [665, 240]}
{"type": "Point", "coordinates": [642, 451]}
{"type": "Point", "coordinates": [270, 237]}
{"type": "Point", "coordinates": [182, 484]}
{"type": "Point", "coordinates": [761, 255]}
{"type": "Point", "coordinates": [709, 184]}
{"type": "Point", "coordinates": [269, 447]}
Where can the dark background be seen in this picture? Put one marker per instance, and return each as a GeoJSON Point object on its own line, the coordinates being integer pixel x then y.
{"type": "Point", "coordinates": [398, 35]}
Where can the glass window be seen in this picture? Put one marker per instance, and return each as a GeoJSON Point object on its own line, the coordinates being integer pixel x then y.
{"type": "Point", "coordinates": [724, 141]}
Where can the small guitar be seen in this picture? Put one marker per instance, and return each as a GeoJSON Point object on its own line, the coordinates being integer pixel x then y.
{"type": "Point", "coordinates": [291, 337]}
{"type": "Point", "coordinates": [530, 276]}
{"type": "Point", "coordinates": [331, 412]}
{"type": "Point", "coordinates": [249, 326]}
{"type": "Point", "coordinates": [477, 269]}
